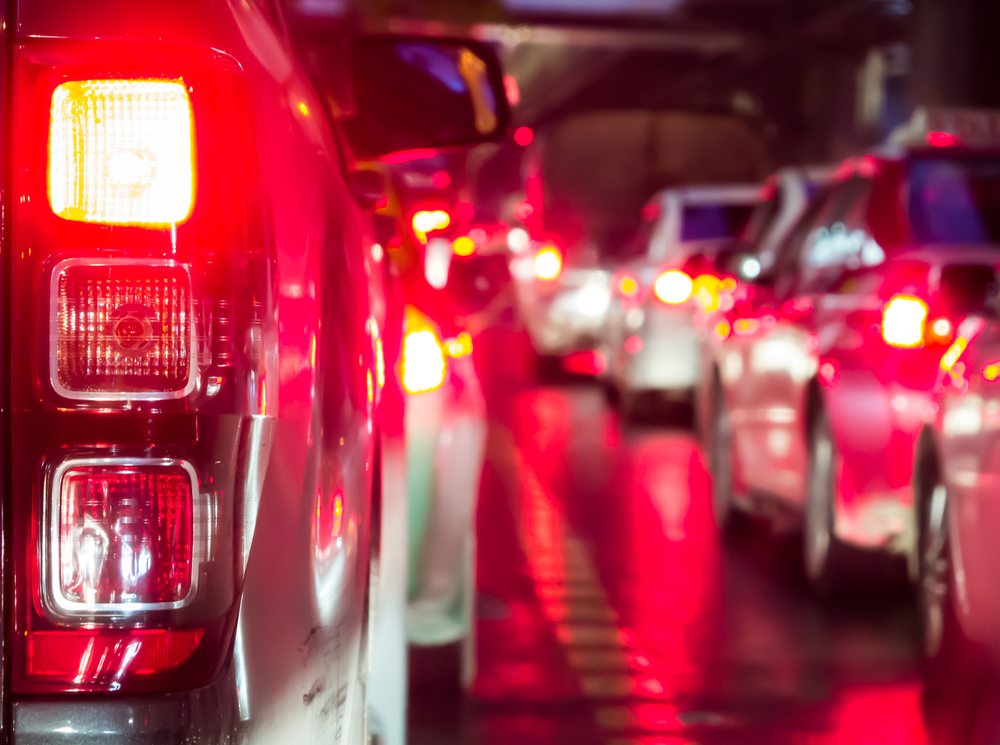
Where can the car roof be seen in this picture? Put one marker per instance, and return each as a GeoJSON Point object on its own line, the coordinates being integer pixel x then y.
{"type": "Point", "coordinates": [714, 194]}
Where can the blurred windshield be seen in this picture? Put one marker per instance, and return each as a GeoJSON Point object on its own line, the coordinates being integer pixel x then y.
{"type": "Point", "coordinates": [955, 200]}
{"type": "Point", "coordinates": [704, 222]}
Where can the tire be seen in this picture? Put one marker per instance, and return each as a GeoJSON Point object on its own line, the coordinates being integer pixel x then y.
{"type": "Point", "coordinates": [954, 669]}
{"type": "Point", "coordinates": [729, 519]}
{"type": "Point", "coordinates": [823, 555]}
{"type": "Point", "coordinates": [942, 641]}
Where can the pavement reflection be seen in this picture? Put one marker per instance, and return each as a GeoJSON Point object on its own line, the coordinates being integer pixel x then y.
{"type": "Point", "coordinates": [611, 614]}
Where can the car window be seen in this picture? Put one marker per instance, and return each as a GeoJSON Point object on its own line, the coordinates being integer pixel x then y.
{"type": "Point", "coordinates": [785, 271]}
{"type": "Point", "coordinates": [954, 200]}
{"type": "Point", "coordinates": [703, 222]}
{"type": "Point", "coordinates": [763, 215]}
{"type": "Point", "coordinates": [841, 240]}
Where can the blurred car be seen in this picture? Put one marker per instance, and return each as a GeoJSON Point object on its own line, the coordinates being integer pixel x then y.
{"type": "Point", "coordinates": [648, 341]}
{"type": "Point", "coordinates": [193, 486]}
{"type": "Point", "coordinates": [787, 193]}
{"type": "Point", "coordinates": [561, 299]}
{"type": "Point", "coordinates": [956, 472]}
{"type": "Point", "coordinates": [449, 279]}
{"type": "Point", "coordinates": [821, 390]}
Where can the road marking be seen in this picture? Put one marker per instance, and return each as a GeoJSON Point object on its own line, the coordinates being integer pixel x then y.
{"type": "Point", "coordinates": [602, 653]}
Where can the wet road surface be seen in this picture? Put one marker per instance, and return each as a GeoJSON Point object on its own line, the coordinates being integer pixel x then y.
{"type": "Point", "coordinates": [611, 613]}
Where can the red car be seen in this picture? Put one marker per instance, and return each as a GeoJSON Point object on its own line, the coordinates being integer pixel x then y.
{"type": "Point", "coordinates": [826, 378]}
{"type": "Point", "coordinates": [192, 329]}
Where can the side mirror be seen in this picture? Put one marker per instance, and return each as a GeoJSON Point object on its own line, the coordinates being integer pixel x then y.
{"type": "Point", "coordinates": [369, 188]}
{"type": "Point", "coordinates": [418, 92]}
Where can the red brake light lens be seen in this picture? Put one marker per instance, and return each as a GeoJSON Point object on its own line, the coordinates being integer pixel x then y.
{"type": "Point", "coordinates": [87, 656]}
{"type": "Point", "coordinates": [548, 263]}
{"type": "Point", "coordinates": [673, 287]}
{"type": "Point", "coordinates": [904, 320]}
{"type": "Point", "coordinates": [122, 537]}
{"type": "Point", "coordinates": [122, 330]}
{"type": "Point", "coordinates": [121, 152]}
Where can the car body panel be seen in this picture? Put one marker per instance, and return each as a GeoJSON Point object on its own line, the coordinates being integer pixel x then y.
{"type": "Point", "coordinates": [814, 343]}
{"type": "Point", "coordinates": [966, 435]}
{"type": "Point", "coordinates": [648, 345]}
{"type": "Point", "coordinates": [299, 666]}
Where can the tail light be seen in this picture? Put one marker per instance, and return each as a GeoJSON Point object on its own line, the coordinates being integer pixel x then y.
{"type": "Point", "coordinates": [122, 330]}
{"type": "Point", "coordinates": [121, 152]}
{"type": "Point", "coordinates": [548, 263]}
{"type": "Point", "coordinates": [140, 283]}
{"type": "Point", "coordinates": [706, 289]}
{"type": "Point", "coordinates": [463, 246]}
{"type": "Point", "coordinates": [424, 363]}
{"type": "Point", "coordinates": [904, 320]}
{"type": "Point", "coordinates": [673, 287]}
{"type": "Point", "coordinates": [122, 535]}
{"type": "Point", "coordinates": [628, 286]}
{"type": "Point", "coordinates": [426, 222]}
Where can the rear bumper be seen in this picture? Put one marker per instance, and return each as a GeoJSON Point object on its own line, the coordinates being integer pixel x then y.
{"type": "Point", "coordinates": [198, 718]}
{"type": "Point", "coordinates": [668, 357]}
{"type": "Point", "coordinates": [563, 319]}
{"type": "Point", "coordinates": [876, 427]}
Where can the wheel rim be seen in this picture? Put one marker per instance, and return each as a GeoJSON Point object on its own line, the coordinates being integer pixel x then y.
{"type": "Point", "coordinates": [818, 534]}
{"type": "Point", "coordinates": [936, 568]}
{"type": "Point", "coordinates": [722, 473]}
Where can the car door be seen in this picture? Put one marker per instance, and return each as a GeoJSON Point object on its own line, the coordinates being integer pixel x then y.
{"type": "Point", "coordinates": [970, 457]}
{"type": "Point", "coordinates": [780, 353]}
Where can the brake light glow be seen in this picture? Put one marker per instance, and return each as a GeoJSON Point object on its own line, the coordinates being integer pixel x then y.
{"type": "Point", "coordinates": [904, 320]}
{"type": "Point", "coordinates": [423, 361]}
{"type": "Point", "coordinates": [459, 346]}
{"type": "Point", "coordinates": [121, 330]}
{"type": "Point", "coordinates": [426, 222]}
{"type": "Point", "coordinates": [940, 330]}
{"type": "Point", "coordinates": [673, 287]}
{"type": "Point", "coordinates": [121, 152]}
{"type": "Point", "coordinates": [463, 246]}
{"type": "Point", "coordinates": [706, 290]}
{"type": "Point", "coordinates": [954, 353]}
{"type": "Point", "coordinates": [628, 286]}
{"type": "Point", "coordinates": [548, 263]}
{"type": "Point", "coordinates": [942, 139]}
{"type": "Point", "coordinates": [122, 537]}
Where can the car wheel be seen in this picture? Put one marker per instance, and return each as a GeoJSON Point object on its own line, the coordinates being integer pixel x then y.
{"type": "Point", "coordinates": [954, 668]}
{"type": "Point", "coordinates": [728, 517]}
{"type": "Point", "coordinates": [945, 649]}
{"type": "Point", "coordinates": [823, 553]}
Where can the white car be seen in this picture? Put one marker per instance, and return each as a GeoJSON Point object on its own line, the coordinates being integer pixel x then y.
{"type": "Point", "coordinates": [561, 303]}
{"type": "Point", "coordinates": [648, 341]}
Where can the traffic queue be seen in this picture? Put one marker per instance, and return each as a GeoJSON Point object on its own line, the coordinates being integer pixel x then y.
{"type": "Point", "coordinates": [836, 332]}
